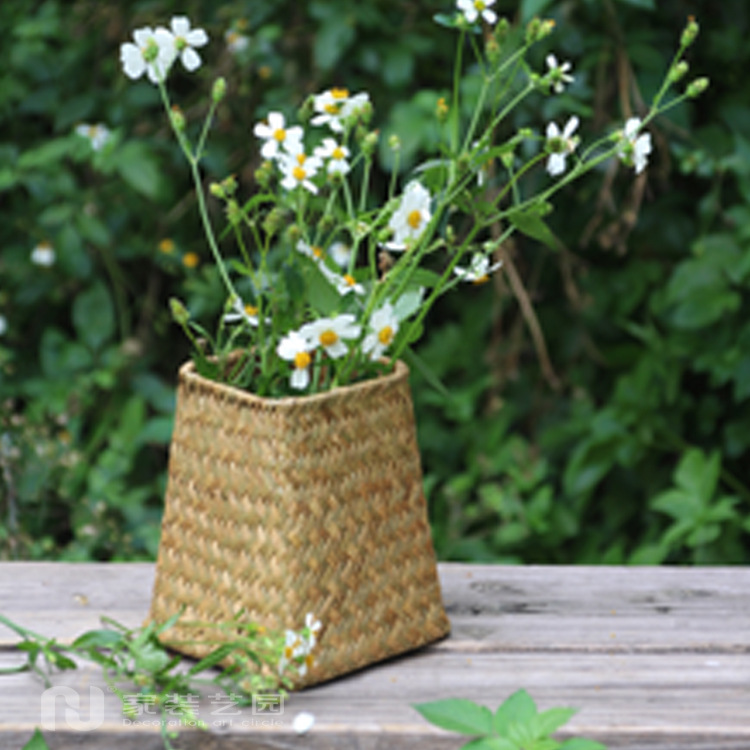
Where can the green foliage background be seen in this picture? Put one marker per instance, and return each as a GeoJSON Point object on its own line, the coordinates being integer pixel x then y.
{"type": "Point", "coordinates": [600, 394]}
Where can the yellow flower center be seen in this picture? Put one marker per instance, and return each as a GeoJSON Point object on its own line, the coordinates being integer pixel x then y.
{"type": "Point", "coordinates": [481, 280]}
{"type": "Point", "coordinates": [190, 260]}
{"type": "Point", "coordinates": [349, 279]}
{"type": "Point", "coordinates": [279, 134]}
{"type": "Point", "coordinates": [385, 335]}
{"type": "Point", "coordinates": [328, 338]}
{"type": "Point", "coordinates": [166, 246]}
{"type": "Point", "coordinates": [317, 252]}
{"type": "Point", "coordinates": [299, 174]}
{"type": "Point", "coordinates": [301, 362]}
{"type": "Point", "coordinates": [338, 153]}
{"type": "Point", "coordinates": [414, 219]}
{"type": "Point", "coordinates": [340, 93]}
{"type": "Point", "coordinates": [301, 159]}
{"type": "Point", "coordinates": [479, 5]}
{"type": "Point", "coordinates": [251, 310]}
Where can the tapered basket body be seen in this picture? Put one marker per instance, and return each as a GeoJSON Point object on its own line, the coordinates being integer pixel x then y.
{"type": "Point", "coordinates": [280, 507]}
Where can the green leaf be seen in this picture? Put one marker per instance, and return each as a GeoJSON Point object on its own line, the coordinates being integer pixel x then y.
{"type": "Point", "coordinates": [550, 721]}
{"type": "Point", "coordinates": [213, 659]}
{"type": "Point", "coordinates": [94, 316]}
{"type": "Point", "coordinates": [45, 155]}
{"type": "Point", "coordinates": [457, 715]}
{"type": "Point", "coordinates": [698, 474]}
{"type": "Point", "coordinates": [139, 168]}
{"type": "Point", "coordinates": [530, 223]}
{"type": "Point", "coordinates": [518, 708]}
{"type": "Point", "coordinates": [37, 742]}
{"type": "Point", "coordinates": [102, 638]}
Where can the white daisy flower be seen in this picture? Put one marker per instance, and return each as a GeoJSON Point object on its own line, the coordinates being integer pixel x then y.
{"type": "Point", "coordinates": [236, 42]}
{"type": "Point", "coordinates": [303, 722]}
{"type": "Point", "coordinates": [472, 9]}
{"type": "Point", "coordinates": [560, 144]}
{"type": "Point", "coordinates": [559, 73]}
{"type": "Point", "coordinates": [276, 135]}
{"type": "Point", "coordinates": [340, 253]}
{"type": "Point", "coordinates": [298, 170]}
{"type": "Point", "coordinates": [355, 105]}
{"type": "Point", "coordinates": [634, 149]}
{"type": "Point", "coordinates": [153, 53]}
{"type": "Point", "coordinates": [43, 255]}
{"type": "Point", "coordinates": [313, 252]}
{"type": "Point", "coordinates": [479, 269]}
{"type": "Point", "coordinates": [335, 154]}
{"type": "Point", "coordinates": [314, 627]}
{"type": "Point", "coordinates": [330, 333]}
{"type": "Point", "coordinates": [343, 284]}
{"type": "Point", "coordinates": [185, 41]}
{"type": "Point", "coordinates": [241, 311]}
{"type": "Point", "coordinates": [330, 108]}
{"type": "Point", "coordinates": [383, 327]}
{"type": "Point", "coordinates": [296, 348]}
{"type": "Point", "coordinates": [412, 216]}
{"type": "Point", "coordinates": [97, 135]}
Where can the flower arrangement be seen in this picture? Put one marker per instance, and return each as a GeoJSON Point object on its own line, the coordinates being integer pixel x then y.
{"type": "Point", "coordinates": [331, 282]}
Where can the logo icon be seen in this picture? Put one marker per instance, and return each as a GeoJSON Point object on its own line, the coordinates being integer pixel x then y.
{"type": "Point", "coordinates": [75, 717]}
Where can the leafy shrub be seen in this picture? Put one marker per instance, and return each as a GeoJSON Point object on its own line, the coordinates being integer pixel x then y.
{"type": "Point", "coordinates": [598, 404]}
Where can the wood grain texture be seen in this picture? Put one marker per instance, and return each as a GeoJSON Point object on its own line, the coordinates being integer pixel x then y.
{"type": "Point", "coordinates": [654, 658]}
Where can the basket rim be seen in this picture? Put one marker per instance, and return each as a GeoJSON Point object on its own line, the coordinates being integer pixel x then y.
{"type": "Point", "coordinates": [188, 376]}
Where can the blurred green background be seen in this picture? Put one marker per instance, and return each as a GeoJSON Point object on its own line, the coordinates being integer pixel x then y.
{"type": "Point", "coordinates": [600, 394]}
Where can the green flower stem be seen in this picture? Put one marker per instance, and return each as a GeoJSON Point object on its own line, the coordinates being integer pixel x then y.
{"type": "Point", "coordinates": [193, 160]}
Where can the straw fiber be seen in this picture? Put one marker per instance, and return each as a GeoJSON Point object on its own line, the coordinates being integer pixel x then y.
{"type": "Point", "coordinates": [279, 507]}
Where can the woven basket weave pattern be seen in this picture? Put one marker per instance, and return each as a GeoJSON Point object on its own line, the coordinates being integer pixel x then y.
{"type": "Point", "coordinates": [278, 507]}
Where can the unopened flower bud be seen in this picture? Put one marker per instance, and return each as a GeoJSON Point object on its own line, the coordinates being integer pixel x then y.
{"type": "Point", "coordinates": [216, 190]}
{"type": "Point", "coordinates": [492, 50]}
{"type": "Point", "coordinates": [502, 29]}
{"type": "Point", "coordinates": [690, 32]}
{"type": "Point", "coordinates": [180, 313]}
{"type": "Point", "coordinates": [229, 185]}
{"type": "Point", "coordinates": [305, 112]}
{"type": "Point", "coordinates": [263, 174]}
{"type": "Point", "coordinates": [545, 28]}
{"type": "Point", "coordinates": [678, 71]}
{"type": "Point", "coordinates": [370, 142]}
{"type": "Point", "coordinates": [697, 87]}
{"type": "Point", "coordinates": [532, 30]}
{"type": "Point", "coordinates": [293, 234]}
{"type": "Point", "coordinates": [234, 212]}
{"type": "Point", "coordinates": [219, 90]}
{"type": "Point", "coordinates": [394, 142]}
{"type": "Point", "coordinates": [273, 221]}
{"type": "Point", "coordinates": [177, 118]}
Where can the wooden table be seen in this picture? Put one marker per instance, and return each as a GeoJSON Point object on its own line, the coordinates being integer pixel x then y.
{"type": "Point", "coordinates": [654, 658]}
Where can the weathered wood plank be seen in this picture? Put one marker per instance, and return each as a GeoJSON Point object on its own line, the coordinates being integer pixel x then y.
{"type": "Point", "coordinates": [656, 699]}
{"type": "Point", "coordinates": [655, 658]}
{"type": "Point", "coordinates": [519, 608]}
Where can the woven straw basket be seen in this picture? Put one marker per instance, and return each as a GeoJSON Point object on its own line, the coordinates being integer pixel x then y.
{"type": "Point", "coordinates": [280, 507]}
